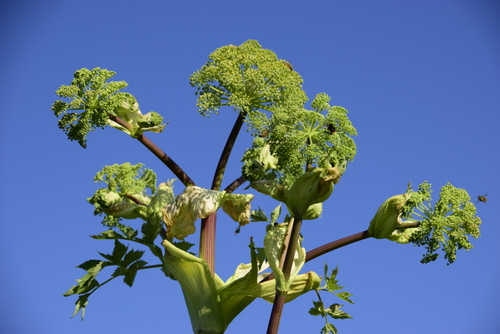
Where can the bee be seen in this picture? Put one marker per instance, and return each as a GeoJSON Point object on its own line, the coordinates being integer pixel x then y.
{"type": "Point", "coordinates": [264, 134]}
{"type": "Point", "coordinates": [331, 129]}
{"type": "Point", "coordinates": [288, 65]}
{"type": "Point", "coordinates": [483, 198]}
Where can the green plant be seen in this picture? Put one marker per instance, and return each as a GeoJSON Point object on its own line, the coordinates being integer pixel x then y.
{"type": "Point", "coordinates": [297, 156]}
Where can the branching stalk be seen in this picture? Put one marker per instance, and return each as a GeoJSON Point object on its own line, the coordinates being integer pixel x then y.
{"type": "Point", "coordinates": [208, 225]}
{"type": "Point", "coordinates": [326, 248]}
{"type": "Point", "coordinates": [178, 171]}
{"type": "Point", "coordinates": [235, 184]}
{"type": "Point", "coordinates": [289, 247]}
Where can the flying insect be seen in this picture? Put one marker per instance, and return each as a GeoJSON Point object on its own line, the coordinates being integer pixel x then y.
{"type": "Point", "coordinates": [483, 198]}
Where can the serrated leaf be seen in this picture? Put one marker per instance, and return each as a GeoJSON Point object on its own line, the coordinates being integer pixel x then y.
{"type": "Point", "coordinates": [335, 312]}
{"type": "Point", "coordinates": [138, 264]}
{"type": "Point", "coordinates": [119, 251]}
{"type": "Point", "coordinates": [329, 329]}
{"type": "Point", "coordinates": [81, 305]}
{"type": "Point", "coordinates": [345, 296]}
{"type": "Point", "coordinates": [156, 251]}
{"type": "Point", "coordinates": [318, 309]}
{"type": "Point", "coordinates": [150, 231]}
{"type": "Point", "coordinates": [89, 264]}
{"type": "Point", "coordinates": [131, 274]}
{"type": "Point", "coordinates": [184, 245]}
{"type": "Point", "coordinates": [88, 281]}
{"type": "Point", "coordinates": [275, 214]}
{"type": "Point", "coordinates": [258, 216]}
{"type": "Point", "coordinates": [108, 257]}
{"type": "Point", "coordinates": [110, 234]}
{"type": "Point", "coordinates": [131, 257]}
{"type": "Point", "coordinates": [130, 277]}
{"type": "Point", "coordinates": [119, 271]}
{"type": "Point", "coordinates": [85, 284]}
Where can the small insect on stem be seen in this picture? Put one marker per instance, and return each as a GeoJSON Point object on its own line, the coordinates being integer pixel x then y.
{"type": "Point", "coordinates": [483, 198]}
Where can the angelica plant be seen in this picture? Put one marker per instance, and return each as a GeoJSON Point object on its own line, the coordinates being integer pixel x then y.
{"type": "Point", "coordinates": [298, 154]}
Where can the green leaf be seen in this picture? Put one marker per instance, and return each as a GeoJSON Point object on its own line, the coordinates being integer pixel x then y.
{"type": "Point", "coordinates": [118, 252]}
{"type": "Point", "coordinates": [318, 309]}
{"type": "Point", "coordinates": [258, 216]}
{"type": "Point", "coordinates": [109, 234]}
{"type": "Point", "coordinates": [87, 282]}
{"type": "Point", "coordinates": [344, 296]}
{"type": "Point", "coordinates": [131, 274]}
{"type": "Point", "coordinates": [87, 265]}
{"type": "Point", "coordinates": [329, 329]}
{"type": "Point", "coordinates": [275, 214]}
{"type": "Point", "coordinates": [81, 305]}
{"type": "Point", "coordinates": [150, 231]}
{"type": "Point", "coordinates": [335, 312]}
{"type": "Point", "coordinates": [131, 257]}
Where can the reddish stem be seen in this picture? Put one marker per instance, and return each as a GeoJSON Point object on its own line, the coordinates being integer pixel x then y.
{"type": "Point", "coordinates": [178, 171]}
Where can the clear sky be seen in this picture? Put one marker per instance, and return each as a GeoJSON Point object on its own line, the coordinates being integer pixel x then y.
{"type": "Point", "coordinates": [421, 81]}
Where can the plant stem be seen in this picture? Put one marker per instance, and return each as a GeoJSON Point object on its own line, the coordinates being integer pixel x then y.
{"type": "Point", "coordinates": [276, 312]}
{"type": "Point", "coordinates": [208, 225]}
{"type": "Point", "coordinates": [280, 297]}
{"type": "Point", "coordinates": [178, 171]}
{"type": "Point", "coordinates": [321, 250]}
{"type": "Point", "coordinates": [312, 254]}
{"type": "Point", "coordinates": [224, 157]}
{"type": "Point", "coordinates": [207, 241]}
{"type": "Point", "coordinates": [235, 184]}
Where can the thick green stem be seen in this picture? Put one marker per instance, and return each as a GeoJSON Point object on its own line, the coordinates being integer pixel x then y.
{"type": "Point", "coordinates": [289, 248]}
{"type": "Point", "coordinates": [208, 225]}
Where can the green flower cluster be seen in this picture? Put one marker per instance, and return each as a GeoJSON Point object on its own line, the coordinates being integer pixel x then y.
{"type": "Point", "coordinates": [445, 224]}
{"type": "Point", "coordinates": [97, 98]}
{"type": "Point", "coordinates": [130, 193]}
{"type": "Point", "coordinates": [300, 139]}
{"type": "Point", "coordinates": [247, 78]}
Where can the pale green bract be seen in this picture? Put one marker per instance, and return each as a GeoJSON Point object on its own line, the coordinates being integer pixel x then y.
{"type": "Point", "coordinates": [213, 303]}
{"type": "Point", "coordinates": [388, 217]}
{"type": "Point", "coordinates": [302, 198]}
{"type": "Point", "coordinates": [273, 247]}
{"type": "Point", "coordinates": [130, 113]}
{"type": "Point", "coordinates": [131, 193]}
{"type": "Point", "coordinates": [196, 202]}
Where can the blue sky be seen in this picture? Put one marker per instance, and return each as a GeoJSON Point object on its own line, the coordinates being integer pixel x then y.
{"type": "Point", "coordinates": [421, 81]}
